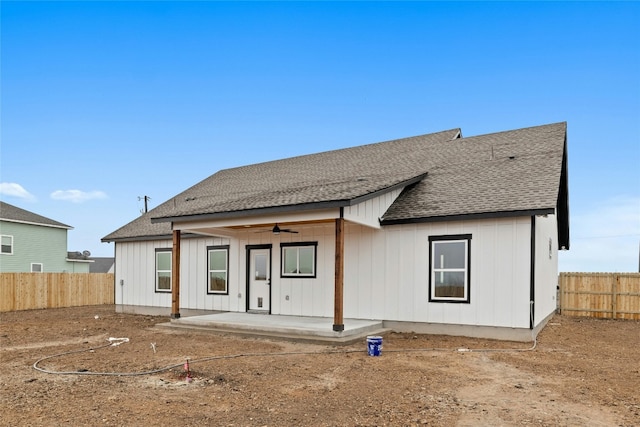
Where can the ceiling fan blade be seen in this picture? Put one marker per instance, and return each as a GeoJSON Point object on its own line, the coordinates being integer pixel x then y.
{"type": "Point", "coordinates": [278, 230]}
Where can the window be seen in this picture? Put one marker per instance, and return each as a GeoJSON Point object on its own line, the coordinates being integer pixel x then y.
{"type": "Point", "coordinates": [218, 267]}
{"type": "Point", "coordinates": [163, 270]}
{"type": "Point", "coordinates": [36, 267]}
{"type": "Point", "coordinates": [6, 243]}
{"type": "Point", "coordinates": [298, 259]}
{"type": "Point", "coordinates": [449, 268]}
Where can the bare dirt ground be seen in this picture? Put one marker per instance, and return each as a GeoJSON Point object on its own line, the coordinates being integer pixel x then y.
{"type": "Point", "coordinates": [583, 372]}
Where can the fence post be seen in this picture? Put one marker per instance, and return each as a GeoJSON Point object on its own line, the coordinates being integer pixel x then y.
{"type": "Point", "coordinates": [560, 287]}
{"type": "Point", "coordinates": [614, 297]}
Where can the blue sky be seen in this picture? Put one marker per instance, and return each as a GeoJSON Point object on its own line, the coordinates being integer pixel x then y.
{"type": "Point", "coordinates": [104, 102]}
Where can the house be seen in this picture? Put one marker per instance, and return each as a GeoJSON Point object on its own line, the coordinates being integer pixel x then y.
{"type": "Point", "coordinates": [34, 243]}
{"type": "Point", "coordinates": [102, 265]}
{"type": "Point", "coordinates": [432, 234]}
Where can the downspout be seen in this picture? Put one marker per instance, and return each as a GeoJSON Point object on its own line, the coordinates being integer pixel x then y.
{"type": "Point", "coordinates": [175, 276]}
{"type": "Point", "coordinates": [338, 302]}
{"type": "Point", "coordinates": [115, 283]}
{"type": "Point", "coordinates": [532, 274]}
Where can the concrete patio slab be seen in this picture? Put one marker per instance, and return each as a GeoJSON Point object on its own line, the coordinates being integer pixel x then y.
{"type": "Point", "coordinates": [297, 328]}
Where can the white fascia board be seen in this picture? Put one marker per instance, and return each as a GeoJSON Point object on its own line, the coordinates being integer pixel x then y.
{"type": "Point", "coordinates": [65, 227]}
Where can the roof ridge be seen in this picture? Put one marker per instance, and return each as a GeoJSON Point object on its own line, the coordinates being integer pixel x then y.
{"type": "Point", "coordinates": [529, 128]}
{"type": "Point", "coordinates": [457, 135]}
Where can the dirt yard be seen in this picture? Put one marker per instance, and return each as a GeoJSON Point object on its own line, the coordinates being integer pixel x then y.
{"type": "Point", "coordinates": [583, 372]}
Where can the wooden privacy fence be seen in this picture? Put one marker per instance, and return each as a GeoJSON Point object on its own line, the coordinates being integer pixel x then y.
{"type": "Point", "coordinates": [604, 295]}
{"type": "Point", "coordinates": [25, 291]}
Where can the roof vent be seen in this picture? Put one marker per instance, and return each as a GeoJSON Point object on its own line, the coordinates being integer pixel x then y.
{"type": "Point", "coordinates": [512, 157]}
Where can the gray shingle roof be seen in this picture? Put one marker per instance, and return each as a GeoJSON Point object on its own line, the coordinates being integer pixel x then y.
{"type": "Point", "coordinates": [332, 176]}
{"type": "Point", "coordinates": [465, 176]}
{"type": "Point", "coordinates": [509, 171]}
{"type": "Point", "coordinates": [15, 214]}
{"type": "Point", "coordinates": [140, 228]}
{"type": "Point", "coordinates": [101, 264]}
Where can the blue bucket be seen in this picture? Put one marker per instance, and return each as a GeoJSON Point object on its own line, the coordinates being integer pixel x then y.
{"type": "Point", "coordinates": [374, 346]}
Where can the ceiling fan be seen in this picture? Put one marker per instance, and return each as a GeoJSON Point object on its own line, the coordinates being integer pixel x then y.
{"type": "Point", "coordinates": [277, 230]}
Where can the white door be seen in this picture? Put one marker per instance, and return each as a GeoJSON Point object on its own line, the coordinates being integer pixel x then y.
{"type": "Point", "coordinates": [259, 280]}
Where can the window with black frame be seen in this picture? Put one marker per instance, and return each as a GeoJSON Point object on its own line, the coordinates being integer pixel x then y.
{"type": "Point", "coordinates": [298, 259]}
{"type": "Point", "coordinates": [449, 268]}
{"type": "Point", "coordinates": [218, 269]}
{"type": "Point", "coordinates": [163, 270]}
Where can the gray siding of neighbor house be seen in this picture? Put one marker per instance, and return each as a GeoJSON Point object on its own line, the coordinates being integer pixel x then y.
{"type": "Point", "coordinates": [37, 244]}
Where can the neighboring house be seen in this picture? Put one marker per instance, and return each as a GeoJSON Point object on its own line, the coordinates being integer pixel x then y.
{"type": "Point", "coordinates": [434, 233]}
{"type": "Point", "coordinates": [34, 243]}
{"type": "Point", "coordinates": [102, 265]}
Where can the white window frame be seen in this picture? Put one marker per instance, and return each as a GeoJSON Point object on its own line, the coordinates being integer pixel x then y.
{"type": "Point", "coordinates": [225, 249]}
{"type": "Point", "coordinates": [298, 246]}
{"type": "Point", "coordinates": [10, 244]}
{"type": "Point", "coordinates": [434, 269]}
{"type": "Point", "coordinates": [41, 267]}
{"type": "Point", "coordinates": [157, 271]}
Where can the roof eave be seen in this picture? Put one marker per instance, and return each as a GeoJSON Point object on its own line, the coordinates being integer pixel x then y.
{"type": "Point", "coordinates": [145, 238]}
{"type": "Point", "coordinates": [479, 215]}
{"type": "Point", "coordinates": [41, 224]}
{"type": "Point", "coordinates": [290, 208]}
{"type": "Point", "coordinates": [253, 212]}
{"type": "Point", "coordinates": [563, 202]}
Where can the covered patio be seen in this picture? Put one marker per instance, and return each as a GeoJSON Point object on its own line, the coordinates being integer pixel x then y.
{"type": "Point", "coordinates": [294, 328]}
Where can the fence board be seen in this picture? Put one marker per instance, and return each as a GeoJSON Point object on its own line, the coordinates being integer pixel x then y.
{"type": "Point", "coordinates": [603, 295]}
{"type": "Point", "coordinates": [26, 291]}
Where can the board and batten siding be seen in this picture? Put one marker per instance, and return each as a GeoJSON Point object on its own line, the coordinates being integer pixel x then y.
{"type": "Point", "coordinates": [193, 276]}
{"type": "Point", "coordinates": [135, 274]}
{"type": "Point", "coordinates": [136, 269]}
{"type": "Point", "coordinates": [298, 296]}
{"type": "Point", "coordinates": [370, 211]}
{"type": "Point", "coordinates": [546, 267]}
{"type": "Point", "coordinates": [135, 266]}
{"type": "Point", "coordinates": [387, 273]}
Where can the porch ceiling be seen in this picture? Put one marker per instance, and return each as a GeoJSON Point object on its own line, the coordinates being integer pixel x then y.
{"type": "Point", "coordinates": [233, 226]}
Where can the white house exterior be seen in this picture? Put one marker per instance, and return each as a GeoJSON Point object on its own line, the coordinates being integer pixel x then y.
{"type": "Point", "coordinates": [433, 234]}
